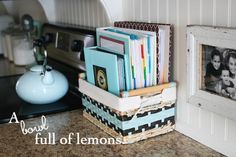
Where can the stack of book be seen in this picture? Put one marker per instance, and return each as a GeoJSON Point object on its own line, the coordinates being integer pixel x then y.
{"type": "Point", "coordinates": [164, 42]}
{"type": "Point", "coordinates": [127, 59]}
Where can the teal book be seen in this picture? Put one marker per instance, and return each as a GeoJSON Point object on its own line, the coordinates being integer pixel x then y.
{"type": "Point", "coordinates": [118, 43]}
{"type": "Point", "coordinates": [104, 70]}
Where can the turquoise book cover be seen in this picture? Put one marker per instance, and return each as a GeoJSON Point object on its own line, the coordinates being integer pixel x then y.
{"type": "Point", "coordinates": [120, 44]}
{"type": "Point", "coordinates": [102, 69]}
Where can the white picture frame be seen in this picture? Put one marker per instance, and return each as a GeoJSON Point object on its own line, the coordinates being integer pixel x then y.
{"type": "Point", "coordinates": [197, 36]}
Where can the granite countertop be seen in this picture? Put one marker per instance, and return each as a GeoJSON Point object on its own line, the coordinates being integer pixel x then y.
{"type": "Point", "coordinates": [14, 143]}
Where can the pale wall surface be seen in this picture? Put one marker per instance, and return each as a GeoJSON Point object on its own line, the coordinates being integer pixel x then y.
{"type": "Point", "coordinates": [19, 8]}
{"type": "Point", "coordinates": [213, 130]}
{"type": "Point", "coordinates": [76, 12]}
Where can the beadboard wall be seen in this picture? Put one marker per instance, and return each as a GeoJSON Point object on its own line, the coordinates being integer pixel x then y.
{"type": "Point", "coordinates": [213, 130]}
{"type": "Point", "coordinates": [19, 8]}
{"type": "Point", "coordinates": [76, 12]}
{"type": "Point", "coordinates": [29, 7]}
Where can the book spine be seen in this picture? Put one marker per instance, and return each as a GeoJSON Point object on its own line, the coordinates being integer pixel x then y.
{"type": "Point", "coordinates": [149, 61]}
{"type": "Point", "coordinates": [143, 64]}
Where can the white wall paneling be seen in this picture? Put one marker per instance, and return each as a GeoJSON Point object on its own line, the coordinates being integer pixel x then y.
{"type": "Point", "coordinates": [184, 109]}
{"type": "Point", "coordinates": [221, 12]}
{"type": "Point", "coordinates": [233, 12]}
{"type": "Point", "coordinates": [128, 12]}
{"type": "Point", "coordinates": [137, 12]}
{"type": "Point", "coordinates": [32, 7]}
{"type": "Point", "coordinates": [207, 12]}
{"type": "Point", "coordinates": [229, 13]}
{"type": "Point", "coordinates": [113, 10]}
{"type": "Point", "coordinates": [97, 14]}
{"type": "Point", "coordinates": [211, 129]}
{"type": "Point", "coordinates": [162, 11]}
{"type": "Point", "coordinates": [145, 10]}
{"type": "Point", "coordinates": [83, 12]}
{"type": "Point", "coordinates": [93, 13]}
{"type": "Point", "coordinates": [194, 12]}
{"type": "Point", "coordinates": [154, 15]}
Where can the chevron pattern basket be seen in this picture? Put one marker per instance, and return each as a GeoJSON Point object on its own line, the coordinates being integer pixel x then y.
{"type": "Point", "coordinates": [131, 126]}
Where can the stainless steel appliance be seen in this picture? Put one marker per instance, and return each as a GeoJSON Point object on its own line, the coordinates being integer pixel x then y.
{"type": "Point", "coordinates": [66, 49]}
{"type": "Point", "coordinates": [66, 44]}
{"type": "Point", "coordinates": [65, 53]}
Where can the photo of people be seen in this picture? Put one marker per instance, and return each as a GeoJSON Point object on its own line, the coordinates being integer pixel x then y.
{"type": "Point", "coordinates": [219, 71]}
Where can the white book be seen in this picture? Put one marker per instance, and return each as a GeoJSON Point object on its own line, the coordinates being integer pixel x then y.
{"type": "Point", "coordinates": [164, 54]}
{"type": "Point", "coordinates": [140, 83]}
{"type": "Point", "coordinates": [154, 62]}
{"type": "Point", "coordinates": [149, 54]}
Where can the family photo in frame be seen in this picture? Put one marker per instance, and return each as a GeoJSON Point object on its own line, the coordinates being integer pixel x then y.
{"type": "Point", "coordinates": [219, 71]}
{"type": "Point", "coordinates": [211, 69]}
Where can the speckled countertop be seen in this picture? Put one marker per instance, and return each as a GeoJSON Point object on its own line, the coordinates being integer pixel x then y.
{"type": "Point", "coordinates": [14, 143]}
